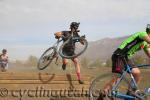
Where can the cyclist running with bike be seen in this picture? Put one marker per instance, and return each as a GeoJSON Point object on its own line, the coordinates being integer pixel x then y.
{"type": "Point", "coordinates": [69, 48]}
{"type": "Point", "coordinates": [134, 43]}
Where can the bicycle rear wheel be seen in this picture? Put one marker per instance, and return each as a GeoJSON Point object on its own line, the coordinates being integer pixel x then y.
{"type": "Point", "coordinates": [80, 47]}
{"type": "Point", "coordinates": [96, 90]}
{"type": "Point", "coordinates": [46, 58]}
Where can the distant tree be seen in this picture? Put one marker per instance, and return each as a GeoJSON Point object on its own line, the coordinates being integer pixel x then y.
{"type": "Point", "coordinates": [139, 59]}
{"type": "Point", "coordinates": [108, 63]}
{"type": "Point", "coordinates": [84, 62]}
{"type": "Point", "coordinates": [96, 63]}
{"type": "Point", "coordinates": [19, 63]}
{"type": "Point", "coordinates": [32, 61]}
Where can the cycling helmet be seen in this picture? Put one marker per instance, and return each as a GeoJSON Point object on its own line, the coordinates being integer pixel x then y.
{"type": "Point", "coordinates": [148, 28]}
{"type": "Point", "coordinates": [74, 25]}
{"type": "Point", "coordinates": [4, 50]}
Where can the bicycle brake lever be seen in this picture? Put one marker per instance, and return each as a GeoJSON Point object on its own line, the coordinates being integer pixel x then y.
{"type": "Point", "coordinates": [83, 36]}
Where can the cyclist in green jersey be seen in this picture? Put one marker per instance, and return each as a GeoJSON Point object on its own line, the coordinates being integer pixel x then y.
{"type": "Point", "coordinates": [136, 42]}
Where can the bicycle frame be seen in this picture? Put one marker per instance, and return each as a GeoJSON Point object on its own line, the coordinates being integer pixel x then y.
{"type": "Point", "coordinates": [128, 71]}
{"type": "Point", "coordinates": [56, 45]}
{"type": "Point", "coordinates": [120, 95]}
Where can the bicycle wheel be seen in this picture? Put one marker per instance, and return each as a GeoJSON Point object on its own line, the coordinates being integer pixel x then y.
{"type": "Point", "coordinates": [96, 90]}
{"type": "Point", "coordinates": [46, 58]}
{"type": "Point", "coordinates": [80, 44]}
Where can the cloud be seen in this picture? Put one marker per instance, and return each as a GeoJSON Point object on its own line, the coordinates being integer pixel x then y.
{"type": "Point", "coordinates": [40, 17]}
{"type": "Point", "coordinates": [32, 22]}
{"type": "Point", "coordinates": [30, 11]}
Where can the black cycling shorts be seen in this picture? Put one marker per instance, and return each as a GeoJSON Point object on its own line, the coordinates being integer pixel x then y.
{"type": "Point", "coordinates": [118, 63]}
{"type": "Point", "coordinates": [68, 51]}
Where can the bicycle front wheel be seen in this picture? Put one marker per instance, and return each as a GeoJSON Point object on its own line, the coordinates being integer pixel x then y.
{"type": "Point", "coordinates": [46, 58]}
{"type": "Point", "coordinates": [80, 47]}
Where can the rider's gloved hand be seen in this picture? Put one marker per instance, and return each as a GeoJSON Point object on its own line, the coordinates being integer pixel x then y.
{"type": "Point", "coordinates": [58, 35]}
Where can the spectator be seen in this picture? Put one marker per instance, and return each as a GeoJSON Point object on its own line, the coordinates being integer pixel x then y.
{"type": "Point", "coordinates": [4, 60]}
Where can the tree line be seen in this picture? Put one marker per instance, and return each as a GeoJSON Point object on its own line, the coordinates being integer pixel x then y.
{"type": "Point", "coordinates": [84, 62]}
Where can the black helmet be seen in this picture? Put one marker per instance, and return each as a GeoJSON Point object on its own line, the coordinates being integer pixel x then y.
{"type": "Point", "coordinates": [148, 28]}
{"type": "Point", "coordinates": [74, 25]}
{"type": "Point", "coordinates": [4, 50]}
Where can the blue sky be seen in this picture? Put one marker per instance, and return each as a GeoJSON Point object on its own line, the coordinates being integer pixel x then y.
{"type": "Point", "coordinates": [27, 26]}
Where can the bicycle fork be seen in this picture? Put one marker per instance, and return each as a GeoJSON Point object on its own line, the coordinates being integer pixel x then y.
{"type": "Point", "coordinates": [56, 62]}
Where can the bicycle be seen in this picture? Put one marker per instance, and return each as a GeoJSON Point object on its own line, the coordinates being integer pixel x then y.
{"type": "Point", "coordinates": [53, 52]}
{"type": "Point", "coordinates": [119, 88]}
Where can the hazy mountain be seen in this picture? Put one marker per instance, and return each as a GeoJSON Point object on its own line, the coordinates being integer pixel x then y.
{"type": "Point", "coordinates": [103, 48]}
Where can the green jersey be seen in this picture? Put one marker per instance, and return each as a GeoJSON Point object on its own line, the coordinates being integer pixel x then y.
{"type": "Point", "coordinates": [134, 43]}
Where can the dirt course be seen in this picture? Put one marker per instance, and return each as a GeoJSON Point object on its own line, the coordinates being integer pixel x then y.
{"type": "Point", "coordinates": [42, 86]}
{"type": "Point", "coordinates": [59, 86]}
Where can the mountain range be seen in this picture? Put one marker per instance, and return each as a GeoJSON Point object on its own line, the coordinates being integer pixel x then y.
{"type": "Point", "coordinates": [103, 49]}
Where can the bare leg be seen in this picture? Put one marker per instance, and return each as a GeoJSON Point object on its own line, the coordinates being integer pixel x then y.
{"type": "Point", "coordinates": [109, 84]}
{"type": "Point", "coordinates": [77, 67]}
{"type": "Point", "coordinates": [65, 62]}
{"type": "Point", "coordinates": [137, 75]}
